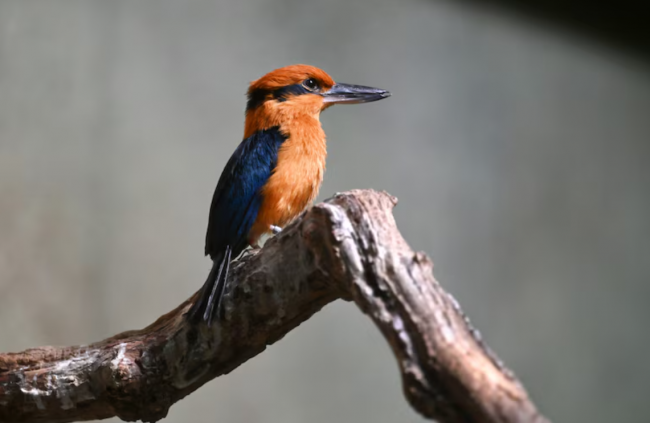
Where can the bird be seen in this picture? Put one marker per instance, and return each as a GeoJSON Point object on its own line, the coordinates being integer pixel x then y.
{"type": "Point", "coordinates": [276, 171]}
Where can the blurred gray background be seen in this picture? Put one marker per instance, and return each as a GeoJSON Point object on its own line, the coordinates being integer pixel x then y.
{"type": "Point", "coordinates": [521, 158]}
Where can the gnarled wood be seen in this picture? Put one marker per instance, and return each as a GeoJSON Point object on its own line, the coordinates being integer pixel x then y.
{"type": "Point", "coordinates": [347, 247]}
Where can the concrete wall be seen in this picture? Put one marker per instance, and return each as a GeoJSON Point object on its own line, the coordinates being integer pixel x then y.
{"type": "Point", "coordinates": [521, 159]}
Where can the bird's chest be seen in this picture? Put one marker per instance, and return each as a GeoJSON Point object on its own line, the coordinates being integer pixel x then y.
{"type": "Point", "coordinates": [295, 181]}
{"type": "Point", "coordinates": [299, 181]}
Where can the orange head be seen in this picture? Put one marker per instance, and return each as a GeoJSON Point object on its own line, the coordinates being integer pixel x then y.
{"type": "Point", "coordinates": [302, 92]}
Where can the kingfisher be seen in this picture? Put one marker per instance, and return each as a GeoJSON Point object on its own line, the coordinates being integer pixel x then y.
{"type": "Point", "coordinates": [276, 171]}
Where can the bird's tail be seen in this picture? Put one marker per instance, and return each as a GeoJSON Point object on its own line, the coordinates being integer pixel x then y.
{"type": "Point", "coordinates": [208, 305]}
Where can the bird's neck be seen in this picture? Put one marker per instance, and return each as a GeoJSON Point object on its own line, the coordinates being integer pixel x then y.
{"type": "Point", "coordinates": [305, 138]}
{"type": "Point", "coordinates": [299, 124]}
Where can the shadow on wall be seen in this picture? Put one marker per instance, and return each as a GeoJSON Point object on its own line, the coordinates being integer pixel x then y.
{"type": "Point", "coordinates": [621, 24]}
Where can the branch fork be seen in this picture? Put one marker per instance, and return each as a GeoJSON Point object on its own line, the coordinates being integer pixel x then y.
{"type": "Point", "coordinates": [348, 247]}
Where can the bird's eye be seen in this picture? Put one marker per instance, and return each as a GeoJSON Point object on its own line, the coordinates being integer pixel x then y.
{"type": "Point", "coordinates": [310, 84]}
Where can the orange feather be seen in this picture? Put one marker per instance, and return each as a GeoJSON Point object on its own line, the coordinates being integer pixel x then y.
{"type": "Point", "coordinates": [298, 175]}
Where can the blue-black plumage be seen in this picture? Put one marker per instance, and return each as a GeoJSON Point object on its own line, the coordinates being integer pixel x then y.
{"type": "Point", "coordinates": [234, 208]}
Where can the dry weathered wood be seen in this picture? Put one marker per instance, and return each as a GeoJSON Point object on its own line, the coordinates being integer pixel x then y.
{"type": "Point", "coordinates": [348, 247]}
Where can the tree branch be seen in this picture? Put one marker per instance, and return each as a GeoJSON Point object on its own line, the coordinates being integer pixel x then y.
{"type": "Point", "coordinates": [347, 247]}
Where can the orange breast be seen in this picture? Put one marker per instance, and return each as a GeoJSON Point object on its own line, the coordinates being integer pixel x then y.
{"type": "Point", "coordinates": [296, 180]}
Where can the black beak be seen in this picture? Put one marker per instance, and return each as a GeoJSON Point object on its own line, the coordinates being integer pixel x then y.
{"type": "Point", "coordinates": [352, 94]}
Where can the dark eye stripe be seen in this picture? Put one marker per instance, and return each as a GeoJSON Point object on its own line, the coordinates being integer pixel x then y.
{"type": "Point", "coordinates": [281, 94]}
{"type": "Point", "coordinates": [257, 97]}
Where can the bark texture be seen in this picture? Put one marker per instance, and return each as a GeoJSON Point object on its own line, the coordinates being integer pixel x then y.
{"type": "Point", "coordinates": [348, 247]}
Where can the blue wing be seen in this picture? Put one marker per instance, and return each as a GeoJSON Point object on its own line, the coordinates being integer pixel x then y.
{"type": "Point", "coordinates": [237, 198]}
{"type": "Point", "coordinates": [234, 208]}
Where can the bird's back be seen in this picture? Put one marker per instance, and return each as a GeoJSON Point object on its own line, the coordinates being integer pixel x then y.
{"type": "Point", "coordinates": [237, 198]}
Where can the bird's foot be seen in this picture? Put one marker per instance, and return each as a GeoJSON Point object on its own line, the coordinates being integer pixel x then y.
{"type": "Point", "coordinates": [251, 251]}
{"type": "Point", "coordinates": [276, 229]}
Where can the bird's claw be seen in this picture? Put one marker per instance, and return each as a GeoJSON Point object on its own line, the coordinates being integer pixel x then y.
{"type": "Point", "coordinates": [276, 229]}
{"type": "Point", "coordinates": [251, 251]}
